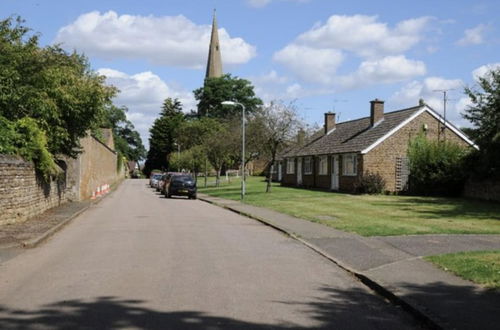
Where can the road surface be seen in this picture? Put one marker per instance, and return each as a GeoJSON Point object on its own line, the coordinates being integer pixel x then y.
{"type": "Point", "coordinates": [140, 261]}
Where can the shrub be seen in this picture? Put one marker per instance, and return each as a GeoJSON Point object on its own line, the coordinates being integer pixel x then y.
{"type": "Point", "coordinates": [370, 183]}
{"type": "Point", "coordinates": [436, 167]}
{"type": "Point", "coordinates": [25, 138]}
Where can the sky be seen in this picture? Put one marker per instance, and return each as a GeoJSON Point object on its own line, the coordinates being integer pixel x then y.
{"type": "Point", "coordinates": [322, 55]}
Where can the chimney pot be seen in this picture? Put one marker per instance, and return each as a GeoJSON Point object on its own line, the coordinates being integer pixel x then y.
{"type": "Point", "coordinates": [329, 121]}
{"type": "Point", "coordinates": [376, 111]}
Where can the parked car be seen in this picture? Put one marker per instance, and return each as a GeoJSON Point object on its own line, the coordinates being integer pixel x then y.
{"type": "Point", "coordinates": [153, 180]}
{"type": "Point", "coordinates": [180, 185]}
{"type": "Point", "coordinates": [167, 181]}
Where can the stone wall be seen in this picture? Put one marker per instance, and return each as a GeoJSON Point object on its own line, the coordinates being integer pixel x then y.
{"type": "Point", "coordinates": [23, 194]}
{"type": "Point", "coordinates": [95, 167]}
{"type": "Point", "coordinates": [382, 159]}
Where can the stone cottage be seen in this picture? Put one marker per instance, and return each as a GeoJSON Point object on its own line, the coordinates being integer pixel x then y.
{"type": "Point", "coordinates": [343, 152]}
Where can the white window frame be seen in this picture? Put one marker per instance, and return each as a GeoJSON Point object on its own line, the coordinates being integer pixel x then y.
{"type": "Point", "coordinates": [308, 166]}
{"type": "Point", "coordinates": [350, 162]}
{"type": "Point", "coordinates": [290, 166]}
{"type": "Point", "coordinates": [323, 165]}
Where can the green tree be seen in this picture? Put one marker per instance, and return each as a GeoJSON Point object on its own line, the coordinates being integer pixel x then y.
{"type": "Point", "coordinates": [484, 113]}
{"type": "Point", "coordinates": [192, 160]}
{"type": "Point", "coordinates": [57, 89]}
{"type": "Point", "coordinates": [225, 88]}
{"type": "Point", "coordinates": [164, 135]}
{"type": "Point", "coordinates": [128, 141]}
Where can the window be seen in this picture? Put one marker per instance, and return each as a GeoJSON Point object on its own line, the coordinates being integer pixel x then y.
{"type": "Point", "coordinates": [350, 164]}
{"type": "Point", "coordinates": [307, 165]}
{"type": "Point", "coordinates": [290, 166]}
{"type": "Point", "coordinates": [323, 165]}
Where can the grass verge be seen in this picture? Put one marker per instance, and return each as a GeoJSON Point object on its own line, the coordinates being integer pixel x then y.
{"type": "Point", "coordinates": [481, 267]}
{"type": "Point", "coordinates": [370, 215]}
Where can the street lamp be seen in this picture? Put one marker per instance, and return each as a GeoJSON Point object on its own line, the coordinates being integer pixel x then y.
{"type": "Point", "coordinates": [243, 181]}
{"type": "Point", "coordinates": [178, 156]}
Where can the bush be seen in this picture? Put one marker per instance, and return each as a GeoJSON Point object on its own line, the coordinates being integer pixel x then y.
{"type": "Point", "coordinates": [436, 167]}
{"type": "Point", "coordinates": [370, 183]}
{"type": "Point", "coordinates": [25, 138]}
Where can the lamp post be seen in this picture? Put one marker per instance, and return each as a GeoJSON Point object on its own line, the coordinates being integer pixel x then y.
{"type": "Point", "coordinates": [178, 155]}
{"type": "Point", "coordinates": [243, 181]}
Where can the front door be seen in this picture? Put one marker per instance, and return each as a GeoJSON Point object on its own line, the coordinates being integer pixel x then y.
{"type": "Point", "coordinates": [335, 172]}
{"type": "Point", "coordinates": [299, 171]}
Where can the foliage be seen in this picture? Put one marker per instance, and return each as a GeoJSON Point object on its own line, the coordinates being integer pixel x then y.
{"type": "Point", "coordinates": [484, 113]}
{"type": "Point", "coordinates": [215, 147]}
{"type": "Point", "coordinates": [128, 142]}
{"type": "Point", "coordinates": [370, 183]}
{"type": "Point", "coordinates": [482, 267]}
{"type": "Point", "coordinates": [225, 88]}
{"type": "Point", "coordinates": [278, 124]}
{"type": "Point", "coordinates": [371, 215]}
{"type": "Point", "coordinates": [57, 89]}
{"type": "Point", "coordinates": [192, 160]}
{"type": "Point", "coordinates": [436, 167]}
{"type": "Point", "coordinates": [164, 135]}
{"type": "Point", "coordinates": [25, 138]}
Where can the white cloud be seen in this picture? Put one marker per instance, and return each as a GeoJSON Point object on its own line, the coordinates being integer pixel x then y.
{"type": "Point", "coordinates": [143, 94]}
{"type": "Point", "coordinates": [473, 36]}
{"type": "Point", "coordinates": [365, 35]}
{"type": "Point", "coordinates": [167, 40]}
{"type": "Point", "coordinates": [316, 55]}
{"type": "Point", "coordinates": [273, 86]}
{"type": "Point", "coordinates": [389, 69]}
{"type": "Point", "coordinates": [310, 64]}
{"type": "Point", "coordinates": [484, 69]}
{"type": "Point", "coordinates": [263, 3]}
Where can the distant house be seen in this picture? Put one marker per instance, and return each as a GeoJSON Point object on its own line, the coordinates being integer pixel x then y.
{"type": "Point", "coordinates": [338, 157]}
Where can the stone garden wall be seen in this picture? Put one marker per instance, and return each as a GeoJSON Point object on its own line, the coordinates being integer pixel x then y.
{"type": "Point", "coordinates": [23, 194]}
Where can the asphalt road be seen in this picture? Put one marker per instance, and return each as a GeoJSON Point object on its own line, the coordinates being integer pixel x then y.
{"type": "Point", "coordinates": [137, 260]}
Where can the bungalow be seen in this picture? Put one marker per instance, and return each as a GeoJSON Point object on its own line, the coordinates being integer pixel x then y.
{"type": "Point", "coordinates": [343, 152]}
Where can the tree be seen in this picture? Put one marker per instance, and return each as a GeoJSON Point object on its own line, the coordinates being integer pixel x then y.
{"type": "Point", "coordinates": [56, 89]}
{"type": "Point", "coordinates": [164, 135]}
{"type": "Point", "coordinates": [216, 149]}
{"type": "Point", "coordinates": [192, 159]}
{"type": "Point", "coordinates": [128, 141]}
{"type": "Point", "coordinates": [279, 125]}
{"type": "Point", "coordinates": [225, 88]}
{"type": "Point", "coordinates": [484, 113]}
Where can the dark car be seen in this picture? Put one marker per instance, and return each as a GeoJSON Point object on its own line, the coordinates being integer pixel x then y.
{"type": "Point", "coordinates": [180, 185]}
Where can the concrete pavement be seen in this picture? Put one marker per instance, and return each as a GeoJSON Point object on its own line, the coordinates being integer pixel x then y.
{"type": "Point", "coordinates": [394, 267]}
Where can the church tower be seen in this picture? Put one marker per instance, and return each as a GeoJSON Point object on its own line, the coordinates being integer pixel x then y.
{"type": "Point", "coordinates": [214, 63]}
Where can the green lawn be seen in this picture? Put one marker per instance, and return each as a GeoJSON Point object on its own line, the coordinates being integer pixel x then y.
{"type": "Point", "coordinates": [370, 215]}
{"type": "Point", "coordinates": [481, 267]}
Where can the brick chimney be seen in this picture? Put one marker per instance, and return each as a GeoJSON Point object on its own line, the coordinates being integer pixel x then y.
{"type": "Point", "coordinates": [376, 111]}
{"type": "Point", "coordinates": [301, 136]}
{"type": "Point", "coordinates": [329, 121]}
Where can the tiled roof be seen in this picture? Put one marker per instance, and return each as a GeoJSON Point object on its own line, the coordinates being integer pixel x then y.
{"type": "Point", "coordinates": [353, 136]}
{"type": "Point", "coordinates": [295, 148]}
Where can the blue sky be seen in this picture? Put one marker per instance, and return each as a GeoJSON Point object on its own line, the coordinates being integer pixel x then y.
{"type": "Point", "coordinates": [327, 55]}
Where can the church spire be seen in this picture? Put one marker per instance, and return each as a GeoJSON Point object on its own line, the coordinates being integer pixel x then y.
{"type": "Point", "coordinates": [214, 63]}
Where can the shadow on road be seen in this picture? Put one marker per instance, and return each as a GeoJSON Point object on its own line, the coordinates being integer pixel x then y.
{"type": "Point", "coordinates": [354, 309]}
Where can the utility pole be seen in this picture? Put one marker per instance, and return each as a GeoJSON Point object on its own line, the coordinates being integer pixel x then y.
{"type": "Point", "coordinates": [445, 100]}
